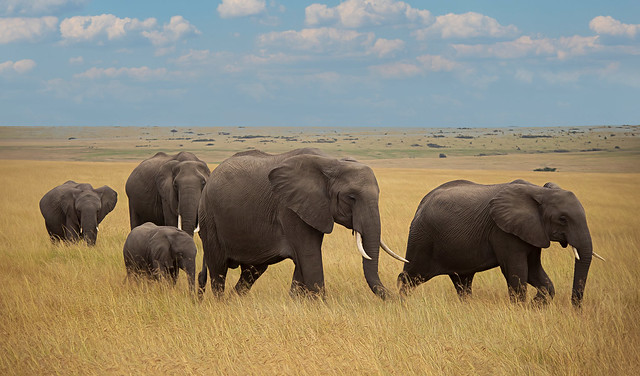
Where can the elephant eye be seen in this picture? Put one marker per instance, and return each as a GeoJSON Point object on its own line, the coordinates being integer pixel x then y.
{"type": "Point", "coordinates": [563, 220]}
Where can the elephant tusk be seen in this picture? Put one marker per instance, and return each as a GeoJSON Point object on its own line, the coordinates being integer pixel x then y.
{"type": "Point", "coordinates": [97, 229]}
{"type": "Point", "coordinates": [391, 253]}
{"type": "Point", "coordinates": [360, 247]}
{"type": "Point", "coordinates": [197, 229]}
{"type": "Point", "coordinates": [598, 256]}
{"type": "Point", "coordinates": [575, 252]}
{"type": "Point", "coordinates": [179, 222]}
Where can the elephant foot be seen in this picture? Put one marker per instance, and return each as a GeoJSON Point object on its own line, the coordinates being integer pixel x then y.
{"type": "Point", "coordinates": [300, 291]}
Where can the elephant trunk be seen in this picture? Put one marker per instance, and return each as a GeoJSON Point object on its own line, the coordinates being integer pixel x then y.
{"type": "Point", "coordinates": [188, 209]}
{"type": "Point", "coordinates": [368, 224]}
{"type": "Point", "coordinates": [585, 252]}
{"type": "Point", "coordinates": [189, 266]}
{"type": "Point", "coordinates": [89, 227]}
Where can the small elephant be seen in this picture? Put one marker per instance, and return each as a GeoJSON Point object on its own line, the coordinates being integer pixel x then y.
{"type": "Point", "coordinates": [258, 209]}
{"type": "Point", "coordinates": [165, 190]}
{"type": "Point", "coordinates": [159, 252]}
{"type": "Point", "coordinates": [73, 211]}
{"type": "Point", "coordinates": [461, 228]}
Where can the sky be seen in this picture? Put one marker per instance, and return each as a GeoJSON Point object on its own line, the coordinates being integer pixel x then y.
{"type": "Point", "coordinates": [378, 63]}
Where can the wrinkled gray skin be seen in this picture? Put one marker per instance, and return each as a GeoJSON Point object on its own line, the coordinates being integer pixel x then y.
{"type": "Point", "coordinates": [160, 252]}
{"type": "Point", "coordinates": [462, 228]}
{"type": "Point", "coordinates": [258, 209]}
{"type": "Point", "coordinates": [164, 186]}
{"type": "Point", "coordinates": [72, 211]}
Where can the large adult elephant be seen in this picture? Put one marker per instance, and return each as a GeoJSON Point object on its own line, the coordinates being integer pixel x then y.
{"type": "Point", "coordinates": [258, 209]}
{"type": "Point", "coordinates": [72, 211]}
{"type": "Point", "coordinates": [165, 190]}
{"type": "Point", "coordinates": [461, 228]}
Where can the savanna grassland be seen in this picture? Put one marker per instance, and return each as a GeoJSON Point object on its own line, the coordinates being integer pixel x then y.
{"type": "Point", "coordinates": [66, 309]}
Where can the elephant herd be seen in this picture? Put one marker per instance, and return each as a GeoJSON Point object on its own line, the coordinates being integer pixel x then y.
{"type": "Point", "coordinates": [256, 209]}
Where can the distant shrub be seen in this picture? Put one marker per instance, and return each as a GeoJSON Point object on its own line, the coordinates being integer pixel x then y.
{"type": "Point", "coordinates": [546, 169]}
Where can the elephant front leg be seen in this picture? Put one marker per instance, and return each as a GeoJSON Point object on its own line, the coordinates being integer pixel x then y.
{"type": "Point", "coordinates": [308, 276]}
{"type": "Point", "coordinates": [539, 279]}
{"type": "Point", "coordinates": [248, 276]}
{"type": "Point", "coordinates": [462, 283]}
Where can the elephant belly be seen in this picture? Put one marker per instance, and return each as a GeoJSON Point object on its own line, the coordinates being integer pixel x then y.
{"type": "Point", "coordinates": [462, 259]}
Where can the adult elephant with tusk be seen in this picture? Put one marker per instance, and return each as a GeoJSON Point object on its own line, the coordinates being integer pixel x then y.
{"type": "Point", "coordinates": [258, 209]}
{"type": "Point", "coordinates": [165, 190]}
{"type": "Point", "coordinates": [73, 211]}
{"type": "Point", "coordinates": [461, 228]}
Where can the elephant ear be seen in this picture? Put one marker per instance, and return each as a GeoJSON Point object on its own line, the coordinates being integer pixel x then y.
{"type": "Point", "coordinates": [301, 185]}
{"type": "Point", "coordinates": [516, 210]}
{"type": "Point", "coordinates": [108, 199]}
{"type": "Point", "coordinates": [160, 250]}
{"type": "Point", "coordinates": [164, 183]}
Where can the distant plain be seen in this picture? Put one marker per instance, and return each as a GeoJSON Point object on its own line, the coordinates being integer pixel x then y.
{"type": "Point", "coordinates": [66, 310]}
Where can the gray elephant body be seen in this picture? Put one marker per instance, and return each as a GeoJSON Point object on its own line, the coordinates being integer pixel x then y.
{"type": "Point", "coordinates": [160, 252]}
{"type": "Point", "coordinates": [462, 228]}
{"type": "Point", "coordinates": [164, 187]}
{"type": "Point", "coordinates": [73, 211]}
{"type": "Point", "coordinates": [258, 209]}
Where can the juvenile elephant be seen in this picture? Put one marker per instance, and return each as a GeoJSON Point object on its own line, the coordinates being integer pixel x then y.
{"type": "Point", "coordinates": [461, 228]}
{"type": "Point", "coordinates": [258, 209]}
{"type": "Point", "coordinates": [165, 190]}
{"type": "Point", "coordinates": [73, 211]}
{"type": "Point", "coordinates": [160, 252]}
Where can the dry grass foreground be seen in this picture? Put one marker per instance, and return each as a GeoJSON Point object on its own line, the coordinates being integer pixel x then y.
{"type": "Point", "coordinates": [66, 310]}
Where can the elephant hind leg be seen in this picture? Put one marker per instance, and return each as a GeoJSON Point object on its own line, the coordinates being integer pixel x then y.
{"type": "Point", "coordinates": [462, 283]}
{"type": "Point", "coordinates": [248, 276]}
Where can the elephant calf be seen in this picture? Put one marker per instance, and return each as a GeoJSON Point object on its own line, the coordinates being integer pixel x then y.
{"type": "Point", "coordinates": [159, 252]}
{"type": "Point", "coordinates": [461, 228]}
{"type": "Point", "coordinates": [72, 211]}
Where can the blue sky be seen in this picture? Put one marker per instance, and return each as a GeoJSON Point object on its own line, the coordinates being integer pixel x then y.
{"type": "Point", "coordinates": [383, 63]}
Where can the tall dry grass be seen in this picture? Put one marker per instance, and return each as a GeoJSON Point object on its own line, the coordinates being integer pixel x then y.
{"type": "Point", "coordinates": [65, 309]}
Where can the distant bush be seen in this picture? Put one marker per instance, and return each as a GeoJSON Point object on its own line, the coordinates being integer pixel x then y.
{"type": "Point", "coordinates": [546, 169]}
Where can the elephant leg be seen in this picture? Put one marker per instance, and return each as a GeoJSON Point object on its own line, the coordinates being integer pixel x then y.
{"type": "Point", "coordinates": [539, 279]}
{"type": "Point", "coordinates": [516, 275]}
{"type": "Point", "coordinates": [462, 283]}
{"type": "Point", "coordinates": [202, 277]}
{"type": "Point", "coordinates": [174, 272]}
{"type": "Point", "coordinates": [248, 276]}
{"type": "Point", "coordinates": [307, 243]}
{"type": "Point", "coordinates": [297, 284]}
{"type": "Point", "coordinates": [134, 219]}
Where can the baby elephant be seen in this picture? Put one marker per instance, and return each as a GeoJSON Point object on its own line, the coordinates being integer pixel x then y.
{"type": "Point", "coordinates": [462, 228]}
{"type": "Point", "coordinates": [159, 252]}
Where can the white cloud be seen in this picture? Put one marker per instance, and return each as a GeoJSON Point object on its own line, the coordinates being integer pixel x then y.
{"type": "Point", "coordinates": [76, 60]}
{"type": "Point", "coordinates": [318, 40]}
{"type": "Point", "coordinates": [423, 65]}
{"type": "Point", "coordinates": [610, 26]}
{"type": "Point", "coordinates": [177, 28]}
{"type": "Point", "coordinates": [466, 25]}
{"type": "Point", "coordinates": [397, 70]}
{"type": "Point", "coordinates": [20, 66]}
{"type": "Point", "coordinates": [436, 63]}
{"type": "Point", "coordinates": [31, 7]}
{"type": "Point", "coordinates": [384, 47]}
{"type": "Point", "coordinates": [241, 8]}
{"type": "Point", "coordinates": [524, 75]}
{"type": "Point", "coordinates": [21, 29]}
{"type": "Point", "coordinates": [563, 48]}
{"type": "Point", "coordinates": [140, 73]}
{"type": "Point", "coordinates": [358, 13]}
{"type": "Point", "coordinates": [87, 28]}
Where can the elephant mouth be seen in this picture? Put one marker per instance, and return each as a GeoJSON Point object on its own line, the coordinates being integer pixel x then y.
{"type": "Point", "coordinates": [564, 243]}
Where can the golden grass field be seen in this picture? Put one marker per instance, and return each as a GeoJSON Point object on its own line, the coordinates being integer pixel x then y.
{"type": "Point", "coordinates": [65, 309]}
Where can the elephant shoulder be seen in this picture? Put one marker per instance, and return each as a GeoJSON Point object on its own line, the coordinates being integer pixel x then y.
{"type": "Point", "coordinates": [456, 184]}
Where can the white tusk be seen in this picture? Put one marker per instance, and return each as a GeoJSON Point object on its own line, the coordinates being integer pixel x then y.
{"type": "Point", "coordinates": [575, 252]}
{"type": "Point", "coordinates": [97, 229]}
{"type": "Point", "coordinates": [360, 247]}
{"type": "Point", "coordinates": [179, 222]}
{"type": "Point", "coordinates": [390, 252]}
{"type": "Point", "coordinates": [598, 256]}
{"type": "Point", "coordinates": [197, 229]}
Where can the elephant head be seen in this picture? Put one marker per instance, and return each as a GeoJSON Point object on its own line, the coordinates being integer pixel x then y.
{"type": "Point", "coordinates": [174, 248]}
{"type": "Point", "coordinates": [539, 215]}
{"type": "Point", "coordinates": [323, 190]}
{"type": "Point", "coordinates": [180, 185]}
{"type": "Point", "coordinates": [86, 208]}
